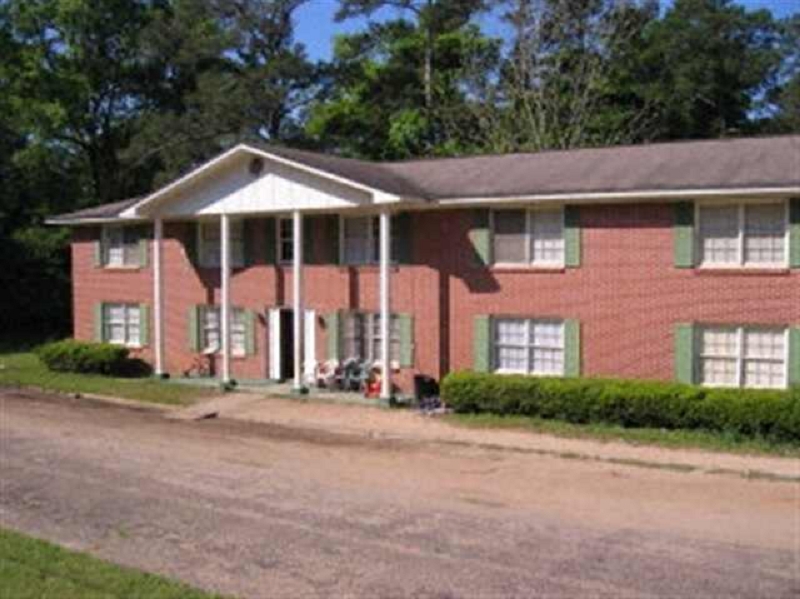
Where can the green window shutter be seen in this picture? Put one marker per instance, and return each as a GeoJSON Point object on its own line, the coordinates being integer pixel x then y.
{"type": "Point", "coordinates": [572, 347]}
{"type": "Point", "coordinates": [309, 255]}
{"type": "Point", "coordinates": [144, 325]}
{"type": "Point", "coordinates": [334, 325]}
{"type": "Point", "coordinates": [683, 229]}
{"type": "Point", "coordinates": [249, 332]}
{"type": "Point", "coordinates": [572, 236]}
{"type": "Point", "coordinates": [99, 329]}
{"type": "Point", "coordinates": [144, 246]}
{"type": "Point", "coordinates": [402, 246]}
{"type": "Point", "coordinates": [684, 353]}
{"type": "Point", "coordinates": [794, 232]}
{"type": "Point", "coordinates": [190, 242]}
{"type": "Point", "coordinates": [482, 344]}
{"type": "Point", "coordinates": [269, 240]}
{"type": "Point", "coordinates": [194, 327]}
{"type": "Point", "coordinates": [98, 248]}
{"type": "Point", "coordinates": [794, 356]}
{"type": "Point", "coordinates": [406, 326]}
{"type": "Point", "coordinates": [480, 237]}
{"type": "Point", "coordinates": [248, 241]}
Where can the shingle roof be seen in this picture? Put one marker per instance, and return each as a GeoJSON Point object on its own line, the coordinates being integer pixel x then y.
{"type": "Point", "coordinates": [746, 163]}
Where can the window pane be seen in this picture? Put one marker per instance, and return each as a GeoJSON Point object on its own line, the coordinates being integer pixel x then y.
{"type": "Point", "coordinates": [115, 250]}
{"type": "Point", "coordinates": [512, 359]}
{"type": "Point", "coordinates": [511, 332]}
{"type": "Point", "coordinates": [547, 229]}
{"type": "Point", "coordinates": [547, 361]}
{"type": "Point", "coordinates": [509, 236]}
{"type": "Point", "coordinates": [718, 371]}
{"type": "Point", "coordinates": [356, 240]}
{"type": "Point", "coordinates": [764, 374]}
{"type": "Point", "coordinates": [548, 334]}
{"type": "Point", "coordinates": [765, 234]}
{"type": "Point", "coordinates": [719, 234]}
{"type": "Point", "coordinates": [764, 343]}
{"type": "Point", "coordinates": [719, 342]}
{"type": "Point", "coordinates": [286, 237]}
{"type": "Point", "coordinates": [376, 237]}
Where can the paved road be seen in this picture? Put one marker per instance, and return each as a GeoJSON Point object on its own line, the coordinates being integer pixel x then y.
{"type": "Point", "coordinates": [261, 511]}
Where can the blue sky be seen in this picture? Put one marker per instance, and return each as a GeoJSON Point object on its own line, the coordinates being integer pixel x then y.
{"type": "Point", "coordinates": [316, 27]}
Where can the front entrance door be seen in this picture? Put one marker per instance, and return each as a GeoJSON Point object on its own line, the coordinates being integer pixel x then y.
{"type": "Point", "coordinates": [281, 344]}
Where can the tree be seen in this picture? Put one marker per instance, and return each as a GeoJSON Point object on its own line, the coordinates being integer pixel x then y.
{"type": "Point", "coordinates": [707, 63]}
{"type": "Point", "coordinates": [392, 88]}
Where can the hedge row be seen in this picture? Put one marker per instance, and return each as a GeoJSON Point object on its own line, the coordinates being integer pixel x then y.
{"type": "Point", "coordinates": [80, 356]}
{"type": "Point", "coordinates": [756, 413]}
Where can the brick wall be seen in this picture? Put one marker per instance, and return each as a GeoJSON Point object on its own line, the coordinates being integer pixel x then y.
{"type": "Point", "coordinates": [626, 293]}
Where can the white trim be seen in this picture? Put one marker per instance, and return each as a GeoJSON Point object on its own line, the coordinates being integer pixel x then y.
{"type": "Point", "coordinates": [225, 313]}
{"type": "Point", "coordinates": [134, 210]}
{"type": "Point", "coordinates": [158, 296]}
{"type": "Point", "coordinates": [385, 235]}
{"type": "Point", "coordinates": [275, 335]}
{"type": "Point", "coordinates": [297, 298]}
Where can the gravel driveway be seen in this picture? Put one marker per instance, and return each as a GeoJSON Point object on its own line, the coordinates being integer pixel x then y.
{"type": "Point", "coordinates": [262, 511]}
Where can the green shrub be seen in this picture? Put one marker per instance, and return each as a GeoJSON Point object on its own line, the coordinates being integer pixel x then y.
{"type": "Point", "coordinates": [648, 404]}
{"type": "Point", "coordinates": [84, 357]}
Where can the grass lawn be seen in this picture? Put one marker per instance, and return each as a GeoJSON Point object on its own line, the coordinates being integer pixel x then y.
{"type": "Point", "coordinates": [34, 569]}
{"type": "Point", "coordinates": [642, 436]}
{"type": "Point", "coordinates": [25, 370]}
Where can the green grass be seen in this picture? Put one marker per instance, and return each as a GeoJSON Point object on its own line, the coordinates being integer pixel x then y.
{"type": "Point", "coordinates": [25, 370]}
{"type": "Point", "coordinates": [638, 436]}
{"type": "Point", "coordinates": [33, 569]}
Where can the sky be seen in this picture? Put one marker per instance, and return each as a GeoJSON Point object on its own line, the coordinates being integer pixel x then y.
{"type": "Point", "coordinates": [315, 26]}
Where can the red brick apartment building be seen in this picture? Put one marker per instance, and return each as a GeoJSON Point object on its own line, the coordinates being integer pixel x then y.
{"type": "Point", "coordinates": [675, 261]}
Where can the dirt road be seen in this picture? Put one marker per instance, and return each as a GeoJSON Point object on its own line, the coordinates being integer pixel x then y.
{"type": "Point", "coordinates": [263, 511]}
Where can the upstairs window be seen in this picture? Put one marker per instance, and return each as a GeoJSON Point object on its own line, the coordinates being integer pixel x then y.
{"type": "Point", "coordinates": [361, 239]}
{"type": "Point", "coordinates": [528, 237]}
{"type": "Point", "coordinates": [285, 240]}
{"type": "Point", "coordinates": [121, 246]}
{"type": "Point", "coordinates": [210, 244]}
{"type": "Point", "coordinates": [730, 356]}
{"type": "Point", "coordinates": [743, 235]}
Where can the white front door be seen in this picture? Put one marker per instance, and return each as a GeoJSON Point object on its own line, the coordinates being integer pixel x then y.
{"type": "Point", "coordinates": [275, 344]}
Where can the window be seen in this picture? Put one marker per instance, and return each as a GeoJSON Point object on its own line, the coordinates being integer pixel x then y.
{"type": "Point", "coordinates": [528, 237]}
{"type": "Point", "coordinates": [362, 337]}
{"type": "Point", "coordinates": [122, 324]}
{"type": "Point", "coordinates": [743, 234]}
{"type": "Point", "coordinates": [211, 331]}
{"type": "Point", "coordinates": [211, 245]}
{"type": "Point", "coordinates": [285, 240]}
{"type": "Point", "coordinates": [121, 246]}
{"type": "Point", "coordinates": [360, 237]}
{"type": "Point", "coordinates": [529, 346]}
{"type": "Point", "coordinates": [742, 357]}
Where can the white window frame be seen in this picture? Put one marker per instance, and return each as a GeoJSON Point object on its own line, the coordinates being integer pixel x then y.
{"type": "Point", "coordinates": [528, 346]}
{"type": "Point", "coordinates": [127, 308]}
{"type": "Point", "coordinates": [373, 241]}
{"type": "Point", "coordinates": [371, 335]}
{"type": "Point", "coordinates": [740, 353]}
{"type": "Point", "coordinates": [529, 261]}
{"type": "Point", "coordinates": [236, 352]}
{"type": "Point", "coordinates": [279, 239]}
{"type": "Point", "coordinates": [106, 247]}
{"type": "Point", "coordinates": [741, 210]}
{"type": "Point", "coordinates": [237, 258]}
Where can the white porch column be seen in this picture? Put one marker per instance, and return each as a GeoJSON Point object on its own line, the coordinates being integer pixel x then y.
{"type": "Point", "coordinates": [158, 295]}
{"type": "Point", "coordinates": [385, 260]}
{"type": "Point", "coordinates": [225, 316]}
{"type": "Point", "coordinates": [297, 297]}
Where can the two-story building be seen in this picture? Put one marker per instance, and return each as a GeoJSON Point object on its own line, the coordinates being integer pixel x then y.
{"type": "Point", "coordinates": [676, 261]}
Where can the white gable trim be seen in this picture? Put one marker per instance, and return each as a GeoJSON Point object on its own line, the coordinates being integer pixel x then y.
{"type": "Point", "coordinates": [378, 195]}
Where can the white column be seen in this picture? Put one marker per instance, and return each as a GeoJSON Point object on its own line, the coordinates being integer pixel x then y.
{"type": "Point", "coordinates": [158, 295]}
{"type": "Point", "coordinates": [225, 316]}
{"type": "Point", "coordinates": [297, 297]}
{"type": "Point", "coordinates": [385, 260]}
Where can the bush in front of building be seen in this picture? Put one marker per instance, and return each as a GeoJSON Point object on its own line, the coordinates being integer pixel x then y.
{"type": "Point", "coordinates": [84, 357]}
{"type": "Point", "coordinates": [748, 412]}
